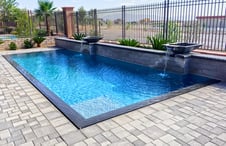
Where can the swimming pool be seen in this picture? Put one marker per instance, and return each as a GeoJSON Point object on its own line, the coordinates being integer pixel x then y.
{"type": "Point", "coordinates": [90, 89]}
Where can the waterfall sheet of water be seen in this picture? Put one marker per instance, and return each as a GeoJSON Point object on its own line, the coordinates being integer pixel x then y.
{"type": "Point", "coordinates": [81, 46]}
{"type": "Point", "coordinates": [164, 74]}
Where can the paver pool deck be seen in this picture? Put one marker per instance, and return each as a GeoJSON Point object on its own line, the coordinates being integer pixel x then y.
{"type": "Point", "coordinates": [27, 118]}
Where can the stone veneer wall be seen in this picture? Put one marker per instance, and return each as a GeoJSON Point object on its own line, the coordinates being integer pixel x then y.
{"type": "Point", "coordinates": [50, 41]}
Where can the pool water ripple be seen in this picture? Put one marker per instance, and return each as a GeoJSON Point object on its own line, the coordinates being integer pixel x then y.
{"type": "Point", "coordinates": [96, 85]}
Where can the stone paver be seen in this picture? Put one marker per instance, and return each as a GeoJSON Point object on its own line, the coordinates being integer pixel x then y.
{"type": "Point", "coordinates": [27, 118]}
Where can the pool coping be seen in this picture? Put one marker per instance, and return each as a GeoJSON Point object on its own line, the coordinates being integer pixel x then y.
{"type": "Point", "coordinates": [81, 122]}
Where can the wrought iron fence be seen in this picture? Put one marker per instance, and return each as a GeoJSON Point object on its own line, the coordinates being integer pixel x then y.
{"type": "Point", "coordinates": [59, 23]}
{"type": "Point", "coordinates": [196, 21]}
{"type": "Point", "coordinates": [86, 22]}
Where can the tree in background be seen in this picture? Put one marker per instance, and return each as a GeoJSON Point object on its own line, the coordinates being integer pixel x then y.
{"type": "Point", "coordinates": [40, 18]}
{"type": "Point", "coordinates": [81, 15]}
{"type": "Point", "coordinates": [7, 7]}
{"type": "Point", "coordinates": [109, 23]}
{"type": "Point", "coordinates": [45, 10]}
{"type": "Point", "coordinates": [23, 23]}
{"type": "Point", "coordinates": [173, 31]}
{"type": "Point", "coordinates": [91, 20]}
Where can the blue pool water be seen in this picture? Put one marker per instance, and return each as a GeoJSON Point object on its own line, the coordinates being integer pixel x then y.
{"type": "Point", "coordinates": [93, 86]}
{"type": "Point", "coordinates": [8, 37]}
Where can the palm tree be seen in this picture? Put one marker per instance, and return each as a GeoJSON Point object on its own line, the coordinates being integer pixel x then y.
{"type": "Point", "coordinates": [45, 10]}
{"type": "Point", "coordinates": [39, 14]}
{"type": "Point", "coordinates": [7, 7]}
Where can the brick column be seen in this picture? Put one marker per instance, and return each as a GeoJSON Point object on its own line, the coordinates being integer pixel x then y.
{"type": "Point", "coordinates": [68, 21]}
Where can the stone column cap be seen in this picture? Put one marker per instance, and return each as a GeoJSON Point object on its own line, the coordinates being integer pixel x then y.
{"type": "Point", "coordinates": [67, 8]}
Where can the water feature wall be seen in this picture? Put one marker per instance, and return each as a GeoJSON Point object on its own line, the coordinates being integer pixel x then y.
{"type": "Point", "coordinates": [204, 65]}
{"type": "Point", "coordinates": [145, 57]}
{"type": "Point", "coordinates": [76, 45]}
{"type": "Point", "coordinates": [208, 65]}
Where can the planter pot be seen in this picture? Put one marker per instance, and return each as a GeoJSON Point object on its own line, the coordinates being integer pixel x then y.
{"type": "Point", "coordinates": [181, 48]}
{"type": "Point", "coordinates": [92, 39]}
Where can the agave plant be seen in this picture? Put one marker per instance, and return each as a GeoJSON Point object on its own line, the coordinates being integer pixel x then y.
{"type": "Point", "coordinates": [79, 36]}
{"type": "Point", "coordinates": [157, 42]}
{"type": "Point", "coordinates": [28, 43]}
{"type": "Point", "coordinates": [38, 40]}
{"type": "Point", "coordinates": [129, 42]}
{"type": "Point", "coordinates": [12, 46]}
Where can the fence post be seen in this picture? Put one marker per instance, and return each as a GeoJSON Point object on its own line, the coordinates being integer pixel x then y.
{"type": "Point", "coordinates": [32, 22]}
{"type": "Point", "coordinates": [29, 22]}
{"type": "Point", "coordinates": [166, 19]}
{"type": "Point", "coordinates": [95, 23]}
{"type": "Point", "coordinates": [77, 23]}
{"type": "Point", "coordinates": [68, 22]}
{"type": "Point", "coordinates": [56, 22]}
{"type": "Point", "coordinates": [99, 25]}
{"type": "Point", "coordinates": [123, 22]}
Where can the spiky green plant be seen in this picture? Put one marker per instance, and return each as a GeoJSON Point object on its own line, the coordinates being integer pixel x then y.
{"type": "Point", "coordinates": [12, 46]}
{"type": "Point", "coordinates": [38, 40]}
{"type": "Point", "coordinates": [157, 42]}
{"type": "Point", "coordinates": [79, 36]}
{"type": "Point", "coordinates": [28, 43]}
{"type": "Point", "coordinates": [129, 42]}
{"type": "Point", "coordinates": [41, 32]}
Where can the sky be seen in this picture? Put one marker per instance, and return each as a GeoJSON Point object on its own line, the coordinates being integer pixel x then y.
{"type": "Point", "coordinates": [87, 4]}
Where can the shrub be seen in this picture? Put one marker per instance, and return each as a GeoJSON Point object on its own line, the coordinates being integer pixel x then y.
{"type": "Point", "coordinates": [157, 42]}
{"type": "Point", "coordinates": [173, 33]}
{"type": "Point", "coordinates": [79, 36]}
{"type": "Point", "coordinates": [129, 42]}
{"type": "Point", "coordinates": [12, 46]}
{"type": "Point", "coordinates": [8, 29]}
{"type": "Point", "coordinates": [41, 33]}
{"type": "Point", "coordinates": [28, 43]}
{"type": "Point", "coordinates": [1, 41]}
{"type": "Point", "coordinates": [38, 40]}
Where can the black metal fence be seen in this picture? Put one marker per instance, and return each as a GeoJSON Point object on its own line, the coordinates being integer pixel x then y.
{"type": "Point", "coordinates": [86, 22]}
{"type": "Point", "coordinates": [199, 21]}
{"type": "Point", "coordinates": [196, 21]}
